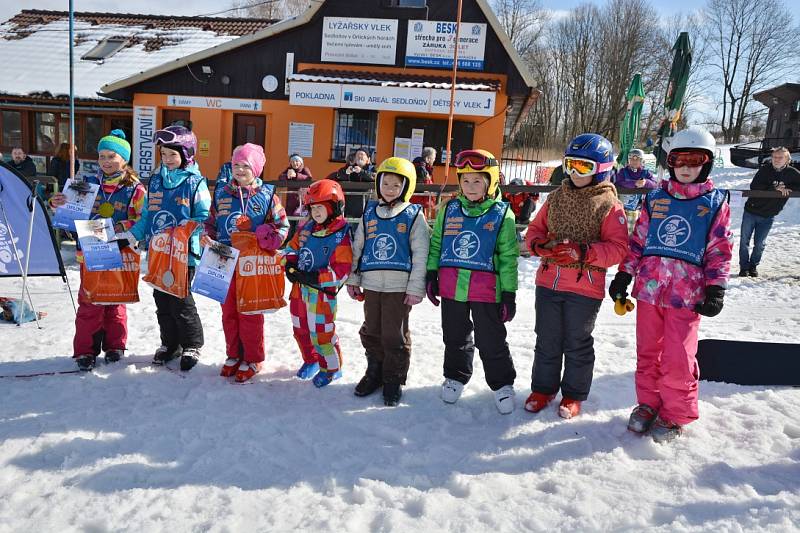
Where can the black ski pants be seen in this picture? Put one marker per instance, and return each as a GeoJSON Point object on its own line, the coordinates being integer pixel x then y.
{"type": "Point", "coordinates": [178, 319]}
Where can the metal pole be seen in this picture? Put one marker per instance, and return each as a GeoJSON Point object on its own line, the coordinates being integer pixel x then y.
{"type": "Point", "coordinates": [32, 208]}
{"type": "Point", "coordinates": [16, 256]}
{"type": "Point", "coordinates": [71, 90]}
{"type": "Point", "coordinates": [449, 156]}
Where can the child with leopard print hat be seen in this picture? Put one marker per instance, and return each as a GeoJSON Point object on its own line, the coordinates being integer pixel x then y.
{"type": "Point", "coordinates": [579, 232]}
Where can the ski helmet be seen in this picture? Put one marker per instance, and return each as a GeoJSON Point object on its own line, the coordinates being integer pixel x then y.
{"type": "Point", "coordinates": [328, 192]}
{"type": "Point", "coordinates": [593, 147]}
{"type": "Point", "coordinates": [694, 139]}
{"type": "Point", "coordinates": [401, 167]}
{"type": "Point", "coordinates": [180, 139]}
{"type": "Point", "coordinates": [479, 161]}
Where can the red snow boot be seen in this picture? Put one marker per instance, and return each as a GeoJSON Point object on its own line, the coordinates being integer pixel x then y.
{"type": "Point", "coordinates": [538, 401]}
{"type": "Point", "coordinates": [247, 371]}
{"type": "Point", "coordinates": [230, 367]}
{"type": "Point", "coordinates": [569, 408]}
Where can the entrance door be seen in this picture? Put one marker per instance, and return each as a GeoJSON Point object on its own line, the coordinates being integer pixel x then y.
{"type": "Point", "coordinates": [249, 129]}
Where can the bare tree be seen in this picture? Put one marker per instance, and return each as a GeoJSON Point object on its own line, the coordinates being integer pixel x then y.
{"type": "Point", "coordinates": [752, 48]}
{"type": "Point", "coordinates": [270, 9]}
{"type": "Point", "coordinates": [523, 21]}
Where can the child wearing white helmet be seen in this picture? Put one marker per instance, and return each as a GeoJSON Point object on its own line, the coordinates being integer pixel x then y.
{"type": "Point", "coordinates": [680, 254]}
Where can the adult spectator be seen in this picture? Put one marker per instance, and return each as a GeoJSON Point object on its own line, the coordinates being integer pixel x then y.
{"type": "Point", "coordinates": [59, 165]}
{"type": "Point", "coordinates": [296, 171]}
{"type": "Point", "coordinates": [424, 165]}
{"type": "Point", "coordinates": [557, 176]}
{"type": "Point", "coordinates": [22, 163]}
{"type": "Point", "coordinates": [759, 213]}
{"type": "Point", "coordinates": [360, 170]}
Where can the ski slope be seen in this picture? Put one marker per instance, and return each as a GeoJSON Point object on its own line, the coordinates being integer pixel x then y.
{"type": "Point", "coordinates": [133, 448]}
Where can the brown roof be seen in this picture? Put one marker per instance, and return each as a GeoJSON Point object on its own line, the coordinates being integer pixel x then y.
{"type": "Point", "coordinates": [221, 26]}
{"type": "Point", "coordinates": [399, 78]}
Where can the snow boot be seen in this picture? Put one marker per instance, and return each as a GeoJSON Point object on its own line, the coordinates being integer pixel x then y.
{"type": "Point", "coordinates": [504, 399]}
{"type": "Point", "coordinates": [189, 358]}
{"type": "Point", "coordinates": [538, 401]}
{"type": "Point", "coordinates": [663, 431]}
{"type": "Point", "coordinates": [753, 271]}
{"type": "Point", "coordinates": [112, 356]}
{"type": "Point", "coordinates": [372, 379]}
{"type": "Point", "coordinates": [230, 367]}
{"type": "Point", "coordinates": [641, 418]}
{"type": "Point", "coordinates": [743, 273]}
{"type": "Point", "coordinates": [569, 408]}
{"type": "Point", "coordinates": [308, 370]}
{"type": "Point", "coordinates": [247, 371]}
{"type": "Point", "coordinates": [324, 377]}
{"type": "Point", "coordinates": [85, 362]}
{"type": "Point", "coordinates": [392, 392]}
{"type": "Point", "coordinates": [165, 354]}
{"type": "Point", "coordinates": [451, 390]}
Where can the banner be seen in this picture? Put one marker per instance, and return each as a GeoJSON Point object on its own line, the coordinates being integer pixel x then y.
{"type": "Point", "coordinates": [143, 158]}
{"type": "Point", "coordinates": [80, 200]}
{"type": "Point", "coordinates": [100, 252]}
{"type": "Point", "coordinates": [112, 287]}
{"type": "Point", "coordinates": [213, 275]}
{"type": "Point", "coordinates": [15, 197]}
{"type": "Point", "coordinates": [431, 43]}
{"type": "Point", "coordinates": [358, 40]}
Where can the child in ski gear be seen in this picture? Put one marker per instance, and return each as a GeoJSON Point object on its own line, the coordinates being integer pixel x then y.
{"type": "Point", "coordinates": [121, 198]}
{"type": "Point", "coordinates": [177, 193]}
{"type": "Point", "coordinates": [578, 233]}
{"type": "Point", "coordinates": [388, 274]}
{"type": "Point", "coordinates": [317, 261]}
{"type": "Point", "coordinates": [472, 265]}
{"type": "Point", "coordinates": [680, 254]}
{"type": "Point", "coordinates": [245, 204]}
{"type": "Point", "coordinates": [633, 176]}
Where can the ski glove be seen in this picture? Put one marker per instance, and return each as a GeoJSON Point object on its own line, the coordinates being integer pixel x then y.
{"type": "Point", "coordinates": [567, 253]}
{"type": "Point", "coordinates": [538, 246]}
{"type": "Point", "coordinates": [268, 237]}
{"type": "Point", "coordinates": [712, 305]}
{"type": "Point", "coordinates": [508, 306]}
{"type": "Point", "coordinates": [432, 286]}
{"type": "Point", "coordinates": [618, 289]}
{"type": "Point", "coordinates": [303, 278]}
{"type": "Point", "coordinates": [355, 293]}
{"type": "Point", "coordinates": [125, 239]}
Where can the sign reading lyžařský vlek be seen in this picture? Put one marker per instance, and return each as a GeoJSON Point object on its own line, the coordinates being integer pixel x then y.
{"type": "Point", "coordinates": [430, 43]}
{"type": "Point", "coordinates": [359, 40]}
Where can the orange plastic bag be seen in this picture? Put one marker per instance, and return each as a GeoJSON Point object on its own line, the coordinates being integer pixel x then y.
{"type": "Point", "coordinates": [259, 276]}
{"type": "Point", "coordinates": [112, 287]}
{"type": "Point", "coordinates": [168, 260]}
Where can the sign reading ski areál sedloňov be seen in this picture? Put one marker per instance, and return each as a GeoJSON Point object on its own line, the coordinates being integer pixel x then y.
{"type": "Point", "coordinates": [357, 40]}
{"type": "Point", "coordinates": [430, 44]}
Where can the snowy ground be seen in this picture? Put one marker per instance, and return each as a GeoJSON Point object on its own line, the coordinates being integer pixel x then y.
{"type": "Point", "coordinates": [138, 449]}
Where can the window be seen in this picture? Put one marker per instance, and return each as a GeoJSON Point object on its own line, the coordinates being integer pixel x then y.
{"type": "Point", "coordinates": [45, 131]}
{"type": "Point", "coordinates": [175, 117]}
{"type": "Point", "coordinates": [12, 128]}
{"type": "Point", "coordinates": [353, 130]}
{"type": "Point", "coordinates": [93, 133]}
{"type": "Point", "coordinates": [796, 106]}
{"type": "Point", "coordinates": [105, 49]}
{"type": "Point", "coordinates": [406, 3]}
{"type": "Point", "coordinates": [436, 134]}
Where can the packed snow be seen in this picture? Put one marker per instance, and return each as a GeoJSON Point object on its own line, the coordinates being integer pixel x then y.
{"type": "Point", "coordinates": [131, 447]}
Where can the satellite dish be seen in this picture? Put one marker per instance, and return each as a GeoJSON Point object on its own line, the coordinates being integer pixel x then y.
{"type": "Point", "coordinates": [269, 83]}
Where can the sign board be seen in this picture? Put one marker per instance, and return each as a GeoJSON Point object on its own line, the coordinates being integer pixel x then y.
{"type": "Point", "coordinates": [301, 139]}
{"type": "Point", "coordinates": [143, 158]}
{"type": "Point", "coordinates": [359, 40]}
{"type": "Point", "coordinates": [315, 94]}
{"type": "Point", "coordinates": [417, 142]}
{"type": "Point", "coordinates": [377, 98]}
{"type": "Point", "coordinates": [431, 44]}
{"type": "Point", "coordinates": [212, 102]}
{"type": "Point", "coordinates": [402, 147]}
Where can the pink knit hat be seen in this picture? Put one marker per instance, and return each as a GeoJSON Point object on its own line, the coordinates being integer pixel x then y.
{"type": "Point", "coordinates": [252, 155]}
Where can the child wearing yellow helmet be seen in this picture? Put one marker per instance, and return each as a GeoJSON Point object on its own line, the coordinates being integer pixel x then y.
{"type": "Point", "coordinates": [472, 266]}
{"type": "Point", "coordinates": [390, 249]}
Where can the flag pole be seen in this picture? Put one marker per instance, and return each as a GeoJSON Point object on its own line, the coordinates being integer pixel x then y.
{"type": "Point", "coordinates": [71, 90]}
{"type": "Point", "coordinates": [449, 155]}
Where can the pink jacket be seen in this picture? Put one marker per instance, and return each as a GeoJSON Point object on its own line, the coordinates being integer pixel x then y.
{"type": "Point", "coordinates": [670, 282]}
{"type": "Point", "coordinates": [608, 251]}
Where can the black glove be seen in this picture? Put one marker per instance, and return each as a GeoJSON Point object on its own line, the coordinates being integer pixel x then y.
{"type": "Point", "coordinates": [308, 278]}
{"type": "Point", "coordinates": [432, 286]}
{"type": "Point", "coordinates": [122, 243]}
{"type": "Point", "coordinates": [712, 305]}
{"type": "Point", "coordinates": [508, 306]}
{"type": "Point", "coordinates": [618, 289]}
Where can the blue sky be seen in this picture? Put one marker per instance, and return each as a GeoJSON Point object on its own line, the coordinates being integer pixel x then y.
{"type": "Point", "coordinates": [667, 7]}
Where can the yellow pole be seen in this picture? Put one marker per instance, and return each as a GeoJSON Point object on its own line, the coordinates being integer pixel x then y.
{"type": "Point", "coordinates": [452, 98]}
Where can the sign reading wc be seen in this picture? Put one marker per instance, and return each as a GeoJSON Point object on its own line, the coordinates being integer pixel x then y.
{"type": "Point", "coordinates": [211, 102]}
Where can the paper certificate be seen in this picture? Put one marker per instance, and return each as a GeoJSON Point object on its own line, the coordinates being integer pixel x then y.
{"type": "Point", "coordinates": [215, 271]}
{"type": "Point", "coordinates": [80, 200]}
{"type": "Point", "coordinates": [100, 252]}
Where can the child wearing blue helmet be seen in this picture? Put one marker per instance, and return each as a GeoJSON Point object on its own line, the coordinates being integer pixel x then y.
{"type": "Point", "coordinates": [579, 232]}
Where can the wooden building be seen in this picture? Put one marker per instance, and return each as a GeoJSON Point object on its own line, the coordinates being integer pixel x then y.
{"type": "Point", "coordinates": [343, 75]}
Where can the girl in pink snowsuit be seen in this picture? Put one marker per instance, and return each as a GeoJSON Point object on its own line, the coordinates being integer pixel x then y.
{"type": "Point", "coordinates": [680, 253]}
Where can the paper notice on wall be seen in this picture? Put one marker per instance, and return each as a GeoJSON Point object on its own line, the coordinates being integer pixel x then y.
{"type": "Point", "coordinates": [301, 139]}
{"type": "Point", "coordinates": [417, 142]}
{"type": "Point", "coordinates": [402, 147]}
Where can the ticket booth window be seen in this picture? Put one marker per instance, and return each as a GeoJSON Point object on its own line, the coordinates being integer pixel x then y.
{"type": "Point", "coordinates": [354, 129]}
{"type": "Point", "coordinates": [436, 134]}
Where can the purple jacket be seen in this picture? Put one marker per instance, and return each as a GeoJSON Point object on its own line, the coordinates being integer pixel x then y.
{"type": "Point", "coordinates": [626, 178]}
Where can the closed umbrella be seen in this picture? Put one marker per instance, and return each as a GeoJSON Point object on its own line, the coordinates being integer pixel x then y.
{"type": "Point", "coordinates": [629, 128]}
{"type": "Point", "coordinates": [673, 103]}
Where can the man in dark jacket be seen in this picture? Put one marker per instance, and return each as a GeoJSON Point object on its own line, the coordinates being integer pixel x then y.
{"type": "Point", "coordinates": [759, 213]}
{"type": "Point", "coordinates": [362, 170]}
{"type": "Point", "coordinates": [22, 163]}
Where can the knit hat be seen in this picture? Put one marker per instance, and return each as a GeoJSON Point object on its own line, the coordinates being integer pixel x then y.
{"type": "Point", "coordinates": [116, 142]}
{"type": "Point", "coordinates": [252, 155]}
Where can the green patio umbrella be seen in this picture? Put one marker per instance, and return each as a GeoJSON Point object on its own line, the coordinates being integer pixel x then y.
{"type": "Point", "coordinates": [673, 103]}
{"type": "Point", "coordinates": [629, 127]}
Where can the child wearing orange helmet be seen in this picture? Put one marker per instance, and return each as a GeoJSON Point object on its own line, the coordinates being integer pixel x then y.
{"type": "Point", "coordinates": [317, 262]}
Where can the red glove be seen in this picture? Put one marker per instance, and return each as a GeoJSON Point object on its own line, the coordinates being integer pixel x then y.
{"type": "Point", "coordinates": [538, 243]}
{"type": "Point", "coordinates": [567, 253]}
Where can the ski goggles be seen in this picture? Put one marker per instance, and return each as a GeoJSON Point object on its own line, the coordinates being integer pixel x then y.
{"type": "Point", "coordinates": [475, 160]}
{"type": "Point", "coordinates": [687, 159]}
{"type": "Point", "coordinates": [170, 137]}
{"type": "Point", "coordinates": [585, 167]}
